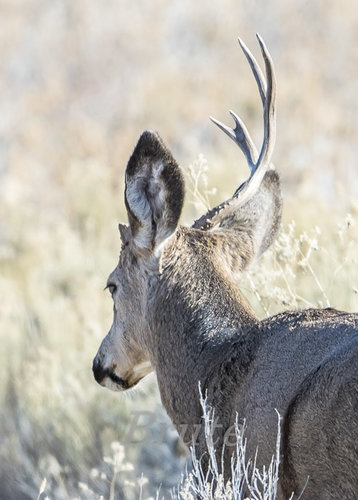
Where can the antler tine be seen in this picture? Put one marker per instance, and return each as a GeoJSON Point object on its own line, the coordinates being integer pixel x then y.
{"type": "Point", "coordinates": [240, 135]}
{"type": "Point", "coordinates": [255, 68]}
{"type": "Point", "coordinates": [269, 107]}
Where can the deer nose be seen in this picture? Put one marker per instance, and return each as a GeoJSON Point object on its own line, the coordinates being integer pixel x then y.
{"type": "Point", "coordinates": [98, 371]}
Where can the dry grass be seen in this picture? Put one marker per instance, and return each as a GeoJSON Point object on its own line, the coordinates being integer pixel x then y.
{"type": "Point", "coordinates": [245, 477]}
{"type": "Point", "coordinates": [79, 81]}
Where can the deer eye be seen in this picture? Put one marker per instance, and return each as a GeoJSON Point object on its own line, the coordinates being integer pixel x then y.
{"type": "Point", "coordinates": [112, 288]}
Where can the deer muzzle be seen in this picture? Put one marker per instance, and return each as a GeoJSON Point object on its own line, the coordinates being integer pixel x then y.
{"type": "Point", "coordinates": [101, 374]}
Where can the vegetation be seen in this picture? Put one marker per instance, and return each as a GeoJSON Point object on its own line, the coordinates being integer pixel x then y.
{"type": "Point", "coordinates": [80, 81]}
{"type": "Point", "coordinates": [246, 478]}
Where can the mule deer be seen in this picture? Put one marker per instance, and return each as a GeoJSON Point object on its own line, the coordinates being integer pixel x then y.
{"type": "Point", "coordinates": [178, 311]}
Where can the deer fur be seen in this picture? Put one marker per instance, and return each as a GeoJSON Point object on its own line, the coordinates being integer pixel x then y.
{"type": "Point", "coordinates": [178, 310]}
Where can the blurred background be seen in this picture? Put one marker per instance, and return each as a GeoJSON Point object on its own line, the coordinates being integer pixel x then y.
{"type": "Point", "coordinates": [80, 80]}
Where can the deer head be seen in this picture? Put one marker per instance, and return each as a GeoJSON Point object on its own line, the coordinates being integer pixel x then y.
{"type": "Point", "coordinates": [168, 274]}
{"type": "Point", "coordinates": [154, 195]}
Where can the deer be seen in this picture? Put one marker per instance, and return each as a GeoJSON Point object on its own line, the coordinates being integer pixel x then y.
{"type": "Point", "coordinates": [179, 311]}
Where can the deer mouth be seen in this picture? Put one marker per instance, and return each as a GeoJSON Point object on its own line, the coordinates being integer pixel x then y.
{"type": "Point", "coordinates": [116, 383]}
{"type": "Point", "coordinates": [108, 378]}
{"type": "Point", "coordinates": [120, 382]}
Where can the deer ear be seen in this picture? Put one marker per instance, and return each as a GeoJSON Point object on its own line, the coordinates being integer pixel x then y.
{"type": "Point", "coordinates": [154, 192]}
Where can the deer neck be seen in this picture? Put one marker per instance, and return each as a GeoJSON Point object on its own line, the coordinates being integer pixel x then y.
{"type": "Point", "coordinates": [198, 314]}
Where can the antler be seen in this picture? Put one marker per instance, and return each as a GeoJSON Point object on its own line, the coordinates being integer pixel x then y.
{"type": "Point", "coordinates": [258, 163]}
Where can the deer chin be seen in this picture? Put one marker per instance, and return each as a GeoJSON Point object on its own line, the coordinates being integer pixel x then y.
{"type": "Point", "coordinates": [117, 383]}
